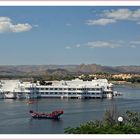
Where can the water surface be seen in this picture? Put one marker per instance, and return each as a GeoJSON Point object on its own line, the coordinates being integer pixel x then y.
{"type": "Point", "coordinates": [15, 119]}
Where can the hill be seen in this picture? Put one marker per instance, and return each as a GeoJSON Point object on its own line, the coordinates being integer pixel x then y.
{"type": "Point", "coordinates": [65, 69]}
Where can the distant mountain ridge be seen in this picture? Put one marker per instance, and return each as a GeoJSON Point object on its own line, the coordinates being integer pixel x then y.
{"type": "Point", "coordinates": [83, 68]}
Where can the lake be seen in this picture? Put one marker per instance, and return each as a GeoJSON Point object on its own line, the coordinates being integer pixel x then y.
{"type": "Point", "coordinates": [15, 119]}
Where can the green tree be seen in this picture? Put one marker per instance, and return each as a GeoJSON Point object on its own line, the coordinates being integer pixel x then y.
{"type": "Point", "coordinates": [110, 125]}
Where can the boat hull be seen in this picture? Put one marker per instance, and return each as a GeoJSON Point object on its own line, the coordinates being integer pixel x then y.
{"type": "Point", "coordinates": [53, 115]}
{"type": "Point", "coordinates": [41, 117]}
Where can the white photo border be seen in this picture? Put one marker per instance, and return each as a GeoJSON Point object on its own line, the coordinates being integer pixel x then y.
{"type": "Point", "coordinates": [69, 136]}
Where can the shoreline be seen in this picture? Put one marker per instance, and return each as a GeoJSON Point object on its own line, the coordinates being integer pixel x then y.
{"type": "Point", "coordinates": [124, 83]}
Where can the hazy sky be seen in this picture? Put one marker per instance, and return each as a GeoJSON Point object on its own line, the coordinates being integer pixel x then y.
{"type": "Point", "coordinates": [70, 35]}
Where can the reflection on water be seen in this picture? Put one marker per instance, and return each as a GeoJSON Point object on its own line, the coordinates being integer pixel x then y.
{"type": "Point", "coordinates": [15, 119]}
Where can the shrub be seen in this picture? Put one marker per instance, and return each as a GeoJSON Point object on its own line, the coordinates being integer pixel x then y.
{"type": "Point", "coordinates": [110, 125]}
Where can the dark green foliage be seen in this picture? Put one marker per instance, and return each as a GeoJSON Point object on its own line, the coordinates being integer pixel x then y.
{"type": "Point", "coordinates": [132, 118]}
{"type": "Point", "coordinates": [110, 125]}
{"type": "Point", "coordinates": [134, 80]}
{"type": "Point", "coordinates": [111, 116]}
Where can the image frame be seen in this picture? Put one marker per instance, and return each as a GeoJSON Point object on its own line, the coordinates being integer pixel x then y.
{"type": "Point", "coordinates": [67, 136]}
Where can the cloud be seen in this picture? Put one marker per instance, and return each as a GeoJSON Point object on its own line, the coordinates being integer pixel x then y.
{"type": "Point", "coordinates": [98, 44]}
{"type": "Point", "coordinates": [68, 47]}
{"type": "Point", "coordinates": [132, 46]}
{"type": "Point", "coordinates": [123, 14]}
{"type": "Point", "coordinates": [103, 44]}
{"type": "Point", "coordinates": [6, 25]}
{"type": "Point", "coordinates": [77, 46]}
{"type": "Point", "coordinates": [74, 46]}
{"type": "Point", "coordinates": [136, 14]}
{"type": "Point", "coordinates": [135, 42]}
{"type": "Point", "coordinates": [102, 21]}
{"type": "Point", "coordinates": [21, 27]}
{"type": "Point", "coordinates": [120, 14]}
{"type": "Point", "coordinates": [112, 16]}
{"type": "Point", "coordinates": [68, 24]}
{"type": "Point", "coordinates": [5, 19]}
{"type": "Point", "coordinates": [110, 44]}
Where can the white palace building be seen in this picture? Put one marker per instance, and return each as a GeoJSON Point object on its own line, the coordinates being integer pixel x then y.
{"type": "Point", "coordinates": [98, 88]}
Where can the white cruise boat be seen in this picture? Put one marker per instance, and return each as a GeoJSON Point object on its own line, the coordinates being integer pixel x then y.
{"type": "Point", "coordinates": [20, 91]}
{"type": "Point", "coordinates": [1, 91]}
{"type": "Point", "coordinates": [98, 88]}
{"type": "Point", "coordinates": [9, 95]}
{"type": "Point", "coordinates": [8, 88]}
{"type": "Point", "coordinates": [1, 94]}
{"type": "Point", "coordinates": [26, 90]}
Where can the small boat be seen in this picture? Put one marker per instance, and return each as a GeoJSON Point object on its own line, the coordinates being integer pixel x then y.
{"type": "Point", "coordinates": [30, 102]}
{"type": "Point", "coordinates": [53, 115]}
